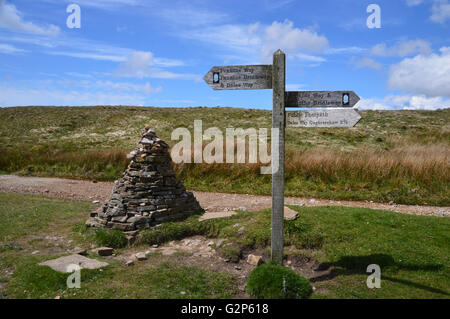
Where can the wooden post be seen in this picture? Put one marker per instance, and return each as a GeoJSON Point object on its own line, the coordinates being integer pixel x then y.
{"type": "Point", "coordinates": [278, 122]}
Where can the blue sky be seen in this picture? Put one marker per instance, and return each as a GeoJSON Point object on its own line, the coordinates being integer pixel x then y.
{"type": "Point", "coordinates": [155, 53]}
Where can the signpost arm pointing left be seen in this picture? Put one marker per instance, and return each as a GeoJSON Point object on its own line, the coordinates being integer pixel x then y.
{"type": "Point", "coordinates": [278, 122]}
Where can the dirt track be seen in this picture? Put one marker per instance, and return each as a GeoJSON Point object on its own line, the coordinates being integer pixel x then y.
{"type": "Point", "coordinates": [213, 202]}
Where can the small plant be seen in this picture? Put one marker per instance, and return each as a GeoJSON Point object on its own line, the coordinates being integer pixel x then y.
{"type": "Point", "coordinates": [231, 252]}
{"type": "Point", "coordinates": [272, 281]}
{"type": "Point", "coordinates": [10, 246]}
{"type": "Point", "coordinates": [181, 229]}
{"type": "Point", "coordinates": [303, 235]}
{"type": "Point", "coordinates": [167, 232]}
{"type": "Point", "coordinates": [110, 238]}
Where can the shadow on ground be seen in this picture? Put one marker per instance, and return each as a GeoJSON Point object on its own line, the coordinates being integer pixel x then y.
{"type": "Point", "coordinates": [353, 265]}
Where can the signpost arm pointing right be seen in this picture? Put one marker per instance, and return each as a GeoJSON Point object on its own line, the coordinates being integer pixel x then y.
{"type": "Point", "coordinates": [278, 122]}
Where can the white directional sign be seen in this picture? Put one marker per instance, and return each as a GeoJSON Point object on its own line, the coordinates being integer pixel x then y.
{"type": "Point", "coordinates": [239, 77]}
{"type": "Point", "coordinates": [321, 99]}
{"type": "Point", "coordinates": [322, 118]}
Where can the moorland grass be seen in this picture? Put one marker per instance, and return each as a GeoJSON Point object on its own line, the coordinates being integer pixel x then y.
{"type": "Point", "coordinates": [398, 156]}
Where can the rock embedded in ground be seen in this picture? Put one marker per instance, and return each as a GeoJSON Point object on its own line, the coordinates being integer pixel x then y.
{"type": "Point", "coordinates": [290, 214]}
{"type": "Point", "coordinates": [129, 263]}
{"type": "Point", "coordinates": [63, 264]}
{"type": "Point", "coordinates": [254, 260]}
{"type": "Point", "coordinates": [148, 193]}
{"type": "Point", "coordinates": [130, 239]}
{"type": "Point", "coordinates": [79, 251]}
{"type": "Point", "coordinates": [213, 215]}
{"type": "Point", "coordinates": [140, 256]}
{"type": "Point", "coordinates": [104, 251]}
{"type": "Point", "coordinates": [219, 242]}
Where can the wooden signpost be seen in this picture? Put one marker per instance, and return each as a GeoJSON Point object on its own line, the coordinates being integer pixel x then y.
{"type": "Point", "coordinates": [247, 77]}
{"type": "Point", "coordinates": [278, 122]}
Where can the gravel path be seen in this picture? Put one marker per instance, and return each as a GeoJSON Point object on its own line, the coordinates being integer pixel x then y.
{"type": "Point", "coordinates": [212, 202]}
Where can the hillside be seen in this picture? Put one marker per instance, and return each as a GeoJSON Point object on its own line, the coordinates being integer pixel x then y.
{"type": "Point", "coordinates": [399, 156]}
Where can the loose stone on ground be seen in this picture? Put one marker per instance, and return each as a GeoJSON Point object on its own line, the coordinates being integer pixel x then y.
{"type": "Point", "coordinates": [213, 215]}
{"type": "Point", "coordinates": [104, 251]}
{"type": "Point", "coordinates": [290, 214]}
{"type": "Point", "coordinates": [62, 264]}
{"type": "Point", "coordinates": [141, 256]}
{"type": "Point", "coordinates": [254, 260]}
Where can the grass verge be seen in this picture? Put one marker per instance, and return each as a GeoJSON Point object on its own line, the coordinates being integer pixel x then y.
{"type": "Point", "coordinates": [412, 252]}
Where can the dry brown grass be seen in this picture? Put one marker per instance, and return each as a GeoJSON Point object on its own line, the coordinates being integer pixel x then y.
{"type": "Point", "coordinates": [414, 173]}
{"type": "Point", "coordinates": [425, 163]}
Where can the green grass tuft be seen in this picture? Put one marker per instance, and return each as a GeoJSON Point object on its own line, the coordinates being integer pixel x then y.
{"type": "Point", "coordinates": [110, 238]}
{"type": "Point", "coordinates": [272, 281]}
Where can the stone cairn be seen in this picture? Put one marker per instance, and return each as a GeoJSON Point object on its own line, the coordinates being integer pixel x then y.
{"type": "Point", "coordinates": [148, 193]}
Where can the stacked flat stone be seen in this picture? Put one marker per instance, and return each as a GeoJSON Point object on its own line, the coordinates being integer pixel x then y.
{"type": "Point", "coordinates": [148, 193]}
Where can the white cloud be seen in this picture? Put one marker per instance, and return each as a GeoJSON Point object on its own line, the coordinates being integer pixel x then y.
{"type": "Point", "coordinates": [427, 75]}
{"type": "Point", "coordinates": [125, 86]}
{"type": "Point", "coordinates": [258, 42]}
{"type": "Point", "coordinates": [104, 4]}
{"type": "Point", "coordinates": [308, 57]}
{"type": "Point", "coordinates": [285, 35]}
{"type": "Point", "coordinates": [85, 49]}
{"type": "Point", "coordinates": [368, 63]}
{"type": "Point", "coordinates": [12, 19]}
{"type": "Point", "coordinates": [80, 89]}
{"type": "Point", "coordinates": [295, 87]}
{"type": "Point", "coordinates": [241, 38]}
{"type": "Point", "coordinates": [412, 3]}
{"type": "Point", "coordinates": [140, 64]}
{"type": "Point", "coordinates": [421, 102]}
{"type": "Point", "coordinates": [81, 75]}
{"type": "Point", "coordinates": [440, 11]}
{"type": "Point", "coordinates": [402, 49]}
{"type": "Point", "coordinates": [34, 40]}
{"type": "Point", "coordinates": [26, 97]}
{"type": "Point", "coordinates": [189, 16]}
{"type": "Point", "coordinates": [137, 64]}
{"type": "Point", "coordinates": [290, 39]}
{"type": "Point", "coordinates": [345, 50]}
{"type": "Point", "coordinates": [9, 49]}
{"type": "Point", "coordinates": [106, 85]}
{"type": "Point", "coordinates": [404, 102]}
{"type": "Point", "coordinates": [372, 104]}
{"type": "Point", "coordinates": [89, 55]}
